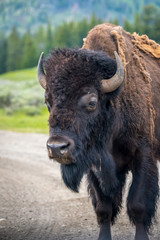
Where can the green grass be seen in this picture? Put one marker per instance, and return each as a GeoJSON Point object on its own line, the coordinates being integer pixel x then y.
{"type": "Point", "coordinates": [20, 75]}
{"type": "Point", "coordinates": [22, 102]}
{"type": "Point", "coordinates": [20, 122]}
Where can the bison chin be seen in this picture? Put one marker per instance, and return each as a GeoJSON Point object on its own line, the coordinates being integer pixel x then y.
{"type": "Point", "coordinates": [102, 165]}
{"type": "Point", "coordinates": [72, 176]}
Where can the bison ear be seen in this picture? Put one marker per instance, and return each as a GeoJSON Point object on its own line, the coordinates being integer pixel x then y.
{"type": "Point", "coordinates": [110, 85]}
{"type": "Point", "coordinates": [40, 72]}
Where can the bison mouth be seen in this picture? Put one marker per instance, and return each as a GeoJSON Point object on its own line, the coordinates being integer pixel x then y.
{"type": "Point", "coordinates": [64, 160]}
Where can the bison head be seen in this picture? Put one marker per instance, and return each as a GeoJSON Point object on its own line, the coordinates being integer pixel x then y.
{"type": "Point", "coordinates": [79, 87]}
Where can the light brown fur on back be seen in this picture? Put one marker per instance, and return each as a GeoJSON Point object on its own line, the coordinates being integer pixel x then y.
{"type": "Point", "coordinates": [140, 57]}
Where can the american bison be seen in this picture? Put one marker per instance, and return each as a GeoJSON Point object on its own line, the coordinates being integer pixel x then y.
{"type": "Point", "coordinates": [104, 104]}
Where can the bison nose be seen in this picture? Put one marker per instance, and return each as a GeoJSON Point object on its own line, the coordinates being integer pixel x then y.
{"type": "Point", "coordinates": [60, 149]}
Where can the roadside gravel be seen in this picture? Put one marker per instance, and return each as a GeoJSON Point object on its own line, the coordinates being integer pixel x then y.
{"type": "Point", "coordinates": [35, 204]}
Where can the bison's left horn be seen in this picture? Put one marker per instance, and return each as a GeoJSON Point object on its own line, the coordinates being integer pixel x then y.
{"type": "Point", "coordinates": [110, 85]}
{"type": "Point", "coordinates": [40, 72]}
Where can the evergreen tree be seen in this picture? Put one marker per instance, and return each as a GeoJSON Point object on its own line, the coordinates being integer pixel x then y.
{"type": "Point", "coordinates": [147, 23]}
{"type": "Point", "coordinates": [29, 52]}
{"type": "Point", "coordinates": [73, 29]}
{"type": "Point", "coordinates": [3, 53]}
{"type": "Point", "coordinates": [157, 29]}
{"type": "Point", "coordinates": [13, 51]}
{"type": "Point", "coordinates": [65, 36]}
{"type": "Point", "coordinates": [94, 21]}
{"type": "Point", "coordinates": [128, 26]}
{"type": "Point", "coordinates": [39, 40]}
{"type": "Point", "coordinates": [138, 25]}
{"type": "Point", "coordinates": [149, 19]}
{"type": "Point", "coordinates": [115, 22]}
{"type": "Point", "coordinates": [49, 38]}
{"type": "Point", "coordinates": [82, 30]}
{"type": "Point", "coordinates": [60, 36]}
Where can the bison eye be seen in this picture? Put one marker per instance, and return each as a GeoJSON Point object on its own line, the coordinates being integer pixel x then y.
{"type": "Point", "coordinates": [89, 102]}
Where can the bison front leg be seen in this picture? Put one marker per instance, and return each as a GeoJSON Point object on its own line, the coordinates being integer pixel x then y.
{"type": "Point", "coordinates": [104, 214]}
{"type": "Point", "coordinates": [102, 206]}
{"type": "Point", "coordinates": [106, 207]}
{"type": "Point", "coordinates": [143, 195]}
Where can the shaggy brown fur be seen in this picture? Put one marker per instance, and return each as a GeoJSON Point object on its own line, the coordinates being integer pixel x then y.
{"type": "Point", "coordinates": [139, 56]}
{"type": "Point", "coordinates": [105, 135]}
{"type": "Point", "coordinates": [148, 46]}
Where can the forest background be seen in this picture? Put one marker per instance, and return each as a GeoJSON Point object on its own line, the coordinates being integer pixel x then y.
{"type": "Point", "coordinates": [29, 27]}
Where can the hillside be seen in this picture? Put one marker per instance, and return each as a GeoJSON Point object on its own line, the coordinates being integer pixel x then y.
{"type": "Point", "coordinates": [30, 14]}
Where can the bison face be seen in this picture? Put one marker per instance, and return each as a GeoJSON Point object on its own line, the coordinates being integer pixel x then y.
{"type": "Point", "coordinates": [60, 147]}
{"type": "Point", "coordinates": [74, 130]}
{"type": "Point", "coordinates": [80, 111]}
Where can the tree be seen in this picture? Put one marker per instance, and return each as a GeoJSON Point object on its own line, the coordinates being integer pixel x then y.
{"type": "Point", "coordinates": [149, 19]}
{"type": "Point", "coordinates": [3, 53]}
{"type": "Point", "coordinates": [82, 30]}
{"type": "Point", "coordinates": [49, 38]}
{"type": "Point", "coordinates": [148, 22]}
{"type": "Point", "coordinates": [157, 29]}
{"type": "Point", "coordinates": [128, 26]}
{"type": "Point", "coordinates": [39, 40]}
{"type": "Point", "coordinates": [115, 21]}
{"type": "Point", "coordinates": [13, 51]}
{"type": "Point", "coordinates": [29, 52]}
{"type": "Point", "coordinates": [138, 25]}
{"type": "Point", "coordinates": [94, 21]}
{"type": "Point", "coordinates": [65, 35]}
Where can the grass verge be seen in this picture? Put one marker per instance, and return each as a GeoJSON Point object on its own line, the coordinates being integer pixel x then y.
{"type": "Point", "coordinates": [20, 75]}
{"type": "Point", "coordinates": [22, 102]}
{"type": "Point", "coordinates": [20, 122]}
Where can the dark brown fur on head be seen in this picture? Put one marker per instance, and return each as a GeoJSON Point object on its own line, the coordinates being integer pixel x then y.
{"type": "Point", "coordinates": [77, 68]}
{"type": "Point", "coordinates": [71, 74]}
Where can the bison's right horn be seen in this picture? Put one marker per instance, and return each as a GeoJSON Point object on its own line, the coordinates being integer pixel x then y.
{"type": "Point", "coordinates": [110, 85]}
{"type": "Point", "coordinates": [40, 72]}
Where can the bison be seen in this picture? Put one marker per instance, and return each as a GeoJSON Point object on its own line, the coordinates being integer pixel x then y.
{"type": "Point", "coordinates": [104, 104]}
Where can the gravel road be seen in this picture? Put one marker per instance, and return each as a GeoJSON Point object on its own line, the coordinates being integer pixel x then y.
{"type": "Point", "coordinates": [35, 204]}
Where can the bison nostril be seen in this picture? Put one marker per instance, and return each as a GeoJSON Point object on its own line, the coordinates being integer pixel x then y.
{"type": "Point", "coordinates": [64, 149]}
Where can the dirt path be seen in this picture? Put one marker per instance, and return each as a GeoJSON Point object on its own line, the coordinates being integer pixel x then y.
{"type": "Point", "coordinates": [35, 204]}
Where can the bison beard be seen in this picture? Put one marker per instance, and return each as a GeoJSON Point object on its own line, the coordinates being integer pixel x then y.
{"type": "Point", "coordinates": [71, 176]}
{"type": "Point", "coordinates": [103, 168]}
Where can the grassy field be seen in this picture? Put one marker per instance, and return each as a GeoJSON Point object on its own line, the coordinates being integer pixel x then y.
{"type": "Point", "coordinates": [22, 107]}
{"type": "Point", "coordinates": [20, 75]}
{"type": "Point", "coordinates": [20, 122]}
